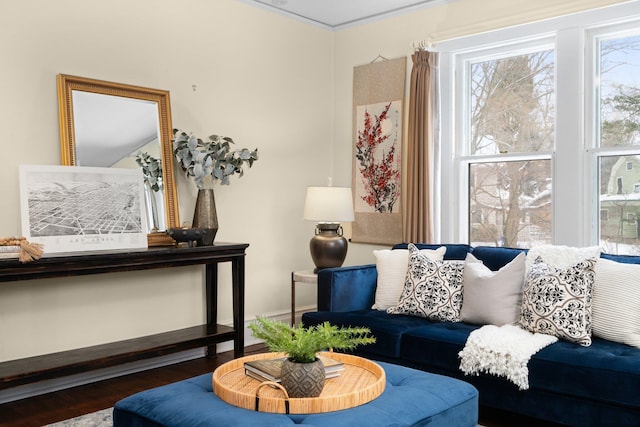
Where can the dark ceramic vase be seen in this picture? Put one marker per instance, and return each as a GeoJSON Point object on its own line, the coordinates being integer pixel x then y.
{"type": "Point", "coordinates": [206, 216]}
{"type": "Point", "coordinates": [302, 379]}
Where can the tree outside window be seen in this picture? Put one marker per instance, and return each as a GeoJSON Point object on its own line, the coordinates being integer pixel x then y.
{"type": "Point", "coordinates": [512, 111]}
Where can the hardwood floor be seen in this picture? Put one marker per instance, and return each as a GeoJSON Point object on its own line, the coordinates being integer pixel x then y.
{"type": "Point", "coordinates": [53, 407]}
{"type": "Point", "coordinates": [61, 405]}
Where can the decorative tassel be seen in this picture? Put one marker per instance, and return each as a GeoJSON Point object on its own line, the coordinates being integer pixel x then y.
{"type": "Point", "coordinates": [28, 251]}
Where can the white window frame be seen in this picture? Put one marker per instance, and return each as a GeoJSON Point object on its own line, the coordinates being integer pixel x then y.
{"type": "Point", "coordinates": [620, 28]}
{"type": "Point", "coordinates": [465, 159]}
{"type": "Point", "coordinates": [575, 195]}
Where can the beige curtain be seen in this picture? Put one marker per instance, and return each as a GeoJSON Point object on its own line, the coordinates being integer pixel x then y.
{"type": "Point", "coordinates": [418, 217]}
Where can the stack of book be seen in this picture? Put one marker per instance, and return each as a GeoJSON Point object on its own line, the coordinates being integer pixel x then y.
{"type": "Point", "coordinates": [269, 369]}
{"type": "Point", "coordinates": [9, 252]}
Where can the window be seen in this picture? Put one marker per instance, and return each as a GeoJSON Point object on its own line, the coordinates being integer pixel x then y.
{"type": "Point", "coordinates": [510, 94]}
{"type": "Point", "coordinates": [540, 131]}
{"type": "Point", "coordinates": [519, 212]}
{"type": "Point", "coordinates": [617, 119]}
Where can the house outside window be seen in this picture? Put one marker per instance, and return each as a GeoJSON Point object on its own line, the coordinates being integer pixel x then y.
{"type": "Point", "coordinates": [542, 126]}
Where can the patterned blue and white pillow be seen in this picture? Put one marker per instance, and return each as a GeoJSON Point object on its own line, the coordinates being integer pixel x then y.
{"type": "Point", "coordinates": [432, 289]}
{"type": "Point", "coordinates": [557, 301]}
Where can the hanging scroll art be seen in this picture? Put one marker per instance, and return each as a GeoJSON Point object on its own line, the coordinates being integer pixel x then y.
{"type": "Point", "coordinates": [378, 99]}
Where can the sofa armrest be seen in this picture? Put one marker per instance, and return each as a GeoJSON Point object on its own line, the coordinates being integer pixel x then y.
{"type": "Point", "coordinates": [347, 288]}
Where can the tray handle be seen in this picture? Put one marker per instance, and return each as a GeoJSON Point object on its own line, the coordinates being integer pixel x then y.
{"type": "Point", "coordinates": [274, 385]}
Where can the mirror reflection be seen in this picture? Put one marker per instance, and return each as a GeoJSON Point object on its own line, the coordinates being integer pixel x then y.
{"type": "Point", "coordinates": [107, 124]}
{"type": "Point", "coordinates": [113, 131]}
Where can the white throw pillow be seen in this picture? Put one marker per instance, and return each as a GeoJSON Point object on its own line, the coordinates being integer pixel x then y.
{"type": "Point", "coordinates": [616, 302]}
{"type": "Point", "coordinates": [561, 256]}
{"type": "Point", "coordinates": [492, 297]}
{"type": "Point", "coordinates": [433, 289]}
{"type": "Point", "coordinates": [392, 271]}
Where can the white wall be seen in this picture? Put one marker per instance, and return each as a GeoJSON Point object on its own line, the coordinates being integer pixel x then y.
{"type": "Point", "coordinates": [268, 81]}
{"type": "Point", "coordinates": [260, 78]}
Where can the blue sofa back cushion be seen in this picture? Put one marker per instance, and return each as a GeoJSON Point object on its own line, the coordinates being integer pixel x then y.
{"type": "Point", "coordinates": [387, 328]}
{"type": "Point", "coordinates": [454, 251]}
{"type": "Point", "coordinates": [626, 259]}
{"type": "Point", "coordinates": [495, 258]}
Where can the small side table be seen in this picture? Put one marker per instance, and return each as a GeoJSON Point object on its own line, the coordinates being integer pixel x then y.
{"type": "Point", "coordinates": [305, 276]}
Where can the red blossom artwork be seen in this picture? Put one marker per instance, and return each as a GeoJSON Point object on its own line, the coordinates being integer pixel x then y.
{"type": "Point", "coordinates": [381, 178]}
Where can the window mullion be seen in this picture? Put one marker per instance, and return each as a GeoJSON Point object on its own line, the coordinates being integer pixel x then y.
{"type": "Point", "coordinates": [569, 184]}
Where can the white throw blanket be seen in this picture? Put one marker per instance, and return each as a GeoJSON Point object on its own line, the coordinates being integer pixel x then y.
{"type": "Point", "coordinates": [503, 351]}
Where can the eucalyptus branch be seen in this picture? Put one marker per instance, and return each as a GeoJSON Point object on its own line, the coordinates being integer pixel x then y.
{"type": "Point", "coordinates": [151, 170]}
{"type": "Point", "coordinates": [213, 157]}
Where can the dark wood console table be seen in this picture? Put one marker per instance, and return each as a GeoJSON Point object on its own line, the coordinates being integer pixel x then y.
{"type": "Point", "coordinates": [38, 368]}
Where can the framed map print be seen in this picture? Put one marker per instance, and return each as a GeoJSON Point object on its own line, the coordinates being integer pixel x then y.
{"type": "Point", "coordinates": [72, 208]}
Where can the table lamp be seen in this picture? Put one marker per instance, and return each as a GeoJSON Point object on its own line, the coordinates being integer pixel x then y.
{"type": "Point", "coordinates": [329, 206]}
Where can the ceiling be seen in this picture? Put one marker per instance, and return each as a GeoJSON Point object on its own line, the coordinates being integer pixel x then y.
{"type": "Point", "coordinates": [337, 14]}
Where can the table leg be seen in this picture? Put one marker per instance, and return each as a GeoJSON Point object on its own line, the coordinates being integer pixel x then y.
{"type": "Point", "coordinates": [237, 265]}
{"type": "Point", "coordinates": [211, 281]}
{"type": "Point", "coordinates": [293, 301]}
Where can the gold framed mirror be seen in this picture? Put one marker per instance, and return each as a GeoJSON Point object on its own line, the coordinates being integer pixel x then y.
{"type": "Point", "coordinates": [110, 124]}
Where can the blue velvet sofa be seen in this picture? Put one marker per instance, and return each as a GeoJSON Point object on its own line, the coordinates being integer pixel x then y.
{"type": "Point", "coordinates": [570, 384]}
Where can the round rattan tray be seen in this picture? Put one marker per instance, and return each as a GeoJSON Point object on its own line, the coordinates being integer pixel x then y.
{"type": "Point", "coordinates": [360, 382]}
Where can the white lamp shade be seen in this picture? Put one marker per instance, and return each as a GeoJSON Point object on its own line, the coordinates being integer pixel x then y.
{"type": "Point", "coordinates": [329, 204]}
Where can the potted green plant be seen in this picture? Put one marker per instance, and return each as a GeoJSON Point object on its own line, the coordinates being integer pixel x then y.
{"type": "Point", "coordinates": [206, 162]}
{"type": "Point", "coordinates": [302, 367]}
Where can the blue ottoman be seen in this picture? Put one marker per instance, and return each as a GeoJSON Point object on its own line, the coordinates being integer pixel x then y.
{"type": "Point", "coordinates": [410, 398]}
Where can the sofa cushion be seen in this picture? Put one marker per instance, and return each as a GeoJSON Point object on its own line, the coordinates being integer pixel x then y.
{"type": "Point", "coordinates": [455, 251]}
{"type": "Point", "coordinates": [605, 371]}
{"type": "Point", "coordinates": [496, 257]}
{"type": "Point", "coordinates": [616, 302]}
{"type": "Point", "coordinates": [432, 289]}
{"type": "Point", "coordinates": [392, 270]}
{"type": "Point", "coordinates": [436, 345]}
{"type": "Point", "coordinates": [387, 328]}
{"type": "Point", "coordinates": [557, 301]}
{"type": "Point", "coordinates": [625, 259]}
{"type": "Point", "coordinates": [492, 297]}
